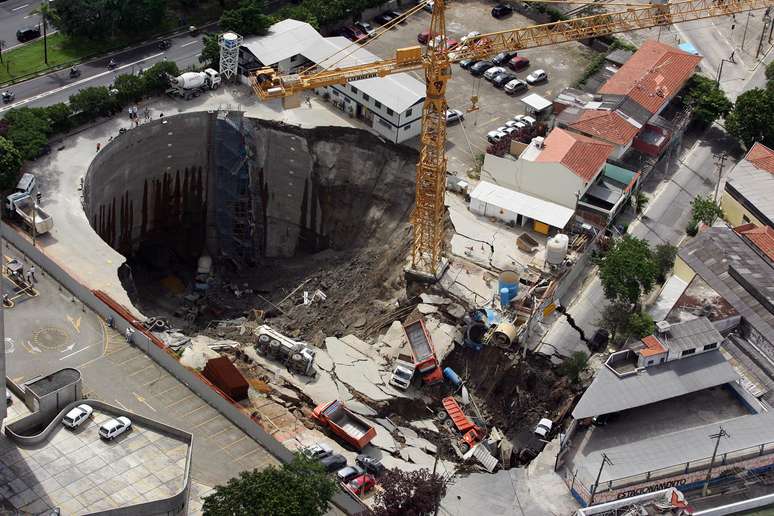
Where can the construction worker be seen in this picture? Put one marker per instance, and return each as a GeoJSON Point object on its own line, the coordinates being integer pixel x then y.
{"type": "Point", "coordinates": [31, 273]}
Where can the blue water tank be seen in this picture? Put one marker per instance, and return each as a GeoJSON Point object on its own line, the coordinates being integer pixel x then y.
{"type": "Point", "coordinates": [505, 297]}
{"type": "Point", "coordinates": [450, 375]}
{"type": "Point", "coordinates": [509, 280]}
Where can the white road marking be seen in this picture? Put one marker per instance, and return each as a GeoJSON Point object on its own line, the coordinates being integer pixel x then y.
{"type": "Point", "coordinates": [189, 43]}
{"type": "Point", "coordinates": [78, 83]}
{"type": "Point", "coordinates": [20, 7]}
{"type": "Point", "coordinates": [122, 405]}
{"type": "Point", "coordinates": [75, 352]}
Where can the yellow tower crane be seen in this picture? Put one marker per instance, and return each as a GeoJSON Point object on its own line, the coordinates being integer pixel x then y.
{"type": "Point", "coordinates": [436, 61]}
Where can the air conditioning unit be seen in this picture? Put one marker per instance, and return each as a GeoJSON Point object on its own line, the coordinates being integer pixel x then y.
{"type": "Point", "coordinates": [663, 326]}
{"type": "Point", "coordinates": [538, 142]}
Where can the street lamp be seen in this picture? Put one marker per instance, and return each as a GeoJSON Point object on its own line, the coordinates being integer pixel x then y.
{"type": "Point", "coordinates": [720, 70]}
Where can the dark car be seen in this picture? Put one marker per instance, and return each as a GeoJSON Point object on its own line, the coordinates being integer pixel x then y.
{"type": "Point", "coordinates": [501, 10]}
{"type": "Point", "coordinates": [479, 68]}
{"type": "Point", "coordinates": [501, 79]}
{"type": "Point", "coordinates": [27, 33]}
{"type": "Point", "coordinates": [371, 465]}
{"type": "Point", "coordinates": [396, 14]}
{"type": "Point", "coordinates": [467, 63]}
{"type": "Point", "coordinates": [333, 462]}
{"type": "Point", "coordinates": [352, 33]}
{"type": "Point", "coordinates": [503, 57]}
{"type": "Point", "coordinates": [384, 18]}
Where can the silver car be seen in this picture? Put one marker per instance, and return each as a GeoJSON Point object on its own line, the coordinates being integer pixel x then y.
{"type": "Point", "coordinates": [454, 115]}
{"type": "Point", "coordinates": [495, 136]}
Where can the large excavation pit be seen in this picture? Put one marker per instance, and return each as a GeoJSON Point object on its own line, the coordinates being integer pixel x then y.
{"type": "Point", "coordinates": [284, 215]}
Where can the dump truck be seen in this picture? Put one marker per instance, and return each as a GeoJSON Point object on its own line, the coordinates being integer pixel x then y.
{"type": "Point", "coordinates": [471, 432]}
{"type": "Point", "coordinates": [23, 206]}
{"type": "Point", "coordinates": [193, 84]}
{"type": "Point", "coordinates": [425, 361]}
{"type": "Point", "coordinates": [345, 423]}
{"type": "Point", "coordinates": [297, 356]}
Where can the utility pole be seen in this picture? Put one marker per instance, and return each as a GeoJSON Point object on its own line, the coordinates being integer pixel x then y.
{"type": "Point", "coordinates": [766, 21]}
{"type": "Point", "coordinates": [605, 460]}
{"type": "Point", "coordinates": [717, 437]}
{"type": "Point", "coordinates": [723, 157]}
{"type": "Point", "coordinates": [744, 35]}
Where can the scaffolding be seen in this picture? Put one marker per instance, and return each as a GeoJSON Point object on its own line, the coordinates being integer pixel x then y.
{"type": "Point", "coordinates": [229, 43]}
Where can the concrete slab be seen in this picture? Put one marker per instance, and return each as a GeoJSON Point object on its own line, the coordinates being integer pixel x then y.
{"type": "Point", "coordinates": [469, 282]}
{"type": "Point", "coordinates": [341, 352]}
{"type": "Point", "coordinates": [426, 309]}
{"type": "Point", "coordinates": [359, 378]}
{"type": "Point", "coordinates": [424, 424]}
{"type": "Point", "coordinates": [360, 408]}
{"type": "Point", "coordinates": [322, 360]}
{"type": "Point", "coordinates": [383, 439]}
{"type": "Point", "coordinates": [455, 310]}
{"type": "Point", "coordinates": [432, 299]}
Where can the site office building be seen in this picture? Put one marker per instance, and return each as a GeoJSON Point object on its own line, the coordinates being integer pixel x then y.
{"type": "Point", "coordinates": [391, 105]}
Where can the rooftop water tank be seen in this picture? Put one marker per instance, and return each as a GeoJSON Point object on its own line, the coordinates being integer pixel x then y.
{"type": "Point", "coordinates": [556, 249]}
{"type": "Point", "coordinates": [230, 40]}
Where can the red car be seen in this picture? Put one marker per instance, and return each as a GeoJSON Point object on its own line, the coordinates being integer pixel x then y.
{"type": "Point", "coordinates": [518, 63]}
{"type": "Point", "coordinates": [424, 36]}
{"type": "Point", "coordinates": [353, 33]}
{"type": "Point", "coordinates": [362, 484]}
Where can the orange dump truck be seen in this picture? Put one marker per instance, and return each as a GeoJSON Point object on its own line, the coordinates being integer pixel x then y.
{"type": "Point", "coordinates": [345, 423]}
{"type": "Point", "coordinates": [425, 361]}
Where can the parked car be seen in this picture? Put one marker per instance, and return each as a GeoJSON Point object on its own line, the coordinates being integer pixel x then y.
{"type": "Point", "coordinates": [510, 130]}
{"type": "Point", "coordinates": [503, 57]}
{"type": "Point", "coordinates": [348, 473]}
{"type": "Point", "coordinates": [428, 7]}
{"type": "Point", "coordinates": [492, 72]}
{"type": "Point", "coordinates": [362, 484]}
{"type": "Point", "coordinates": [525, 119]}
{"type": "Point", "coordinates": [518, 63]}
{"type": "Point", "coordinates": [537, 76]}
{"type": "Point", "coordinates": [27, 33]}
{"type": "Point", "coordinates": [395, 15]}
{"type": "Point", "coordinates": [365, 27]}
{"type": "Point", "coordinates": [76, 416]}
{"type": "Point", "coordinates": [516, 86]}
{"type": "Point", "coordinates": [424, 36]}
{"type": "Point", "coordinates": [501, 79]}
{"type": "Point", "coordinates": [370, 464]}
{"type": "Point", "coordinates": [467, 63]}
{"type": "Point", "coordinates": [479, 68]}
{"type": "Point", "coordinates": [495, 136]}
{"type": "Point", "coordinates": [353, 33]}
{"type": "Point", "coordinates": [543, 428]}
{"type": "Point", "coordinates": [451, 43]}
{"type": "Point", "coordinates": [317, 451]}
{"type": "Point", "coordinates": [384, 18]}
{"type": "Point", "coordinates": [501, 10]}
{"type": "Point", "coordinates": [516, 124]}
{"type": "Point", "coordinates": [112, 428]}
{"type": "Point", "coordinates": [333, 463]}
{"type": "Point", "coordinates": [470, 35]}
{"type": "Point", "coordinates": [454, 115]}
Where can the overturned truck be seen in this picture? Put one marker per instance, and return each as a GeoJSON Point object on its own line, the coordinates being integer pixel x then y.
{"type": "Point", "coordinates": [297, 356]}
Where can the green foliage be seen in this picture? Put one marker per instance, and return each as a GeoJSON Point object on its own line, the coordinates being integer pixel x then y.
{"type": "Point", "coordinates": [704, 209]}
{"type": "Point", "coordinates": [94, 102]}
{"type": "Point", "coordinates": [628, 270]}
{"type": "Point", "coordinates": [639, 325]}
{"type": "Point", "coordinates": [298, 12]}
{"type": "Point", "coordinates": [409, 493]}
{"type": "Point", "coordinates": [593, 67]}
{"type": "Point", "coordinates": [28, 130]}
{"type": "Point", "coordinates": [622, 322]}
{"type": "Point", "coordinates": [553, 13]}
{"type": "Point", "coordinates": [10, 164]}
{"type": "Point", "coordinates": [573, 365]}
{"type": "Point", "coordinates": [664, 254]}
{"type": "Point", "coordinates": [131, 88]}
{"type": "Point", "coordinates": [619, 43]}
{"type": "Point", "coordinates": [770, 71]}
{"type": "Point", "coordinates": [692, 229]}
{"type": "Point", "coordinates": [97, 19]}
{"type": "Point", "coordinates": [639, 201]}
{"type": "Point", "coordinates": [300, 488]}
{"type": "Point", "coordinates": [752, 119]}
{"type": "Point", "coordinates": [210, 55]}
{"type": "Point", "coordinates": [60, 116]}
{"type": "Point", "coordinates": [247, 19]}
{"type": "Point", "coordinates": [708, 101]}
{"type": "Point", "coordinates": [155, 77]}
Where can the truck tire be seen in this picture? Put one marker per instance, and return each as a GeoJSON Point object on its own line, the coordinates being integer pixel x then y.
{"type": "Point", "coordinates": [297, 358]}
{"type": "Point", "coordinates": [442, 415]}
{"type": "Point", "coordinates": [216, 86]}
{"type": "Point", "coordinates": [449, 424]}
{"type": "Point", "coordinates": [274, 347]}
{"type": "Point", "coordinates": [464, 447]}
{"type": "Point", "coordinates": [263, 343]}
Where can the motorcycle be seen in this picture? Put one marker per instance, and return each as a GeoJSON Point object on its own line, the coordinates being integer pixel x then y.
{"type": "Point", "coordinates": [74, 72]}
{"type": "Point", "coordinates": [8, 96]}
{"type": "Point", "coordinates": [164, 44]}
{"type": "Point", "coordinates": [111, 65]}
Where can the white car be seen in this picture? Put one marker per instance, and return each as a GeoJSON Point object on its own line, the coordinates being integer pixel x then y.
{"type": "Point", "coordinates": [76, 416]}
{"type": "Point", "coordinates": [454, 115]}
{"type": "Point", "coordinates": [495, 136]}
{"type": "Point", "coordinates": [543, 428]}
{"type": "Point", "coordinates": [518, 124]}
{"type": "Point", "coordinates": [317, 451]}
{"type": "Point", "coordinates": [112, 428]}
{"type": "Point", "coordinates": [516, 86]}
{"type": "Point", "coordinates": [491, 73]}
{"type": "Point", "coordinates": [525, 119]}
{"type": "Point", "coordinates": [470, 35]}
{"type": "Point", "coordinates": [537, 76]}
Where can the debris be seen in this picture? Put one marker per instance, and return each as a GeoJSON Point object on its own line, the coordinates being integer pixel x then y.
{"type": "Point", "coordinates": [424, 424]}
{"type": "Point", "coordinates": [199, 352]}
{"type": "Point", "coordinates": [387, 424]}
{"type": "Point", "coordinates": [483, 456]}
{"type": "Point", "coordinates": [431, 299]}
{"type": "Point", "coordinates": [426, 309]}
{"type": "Point", "coordinates": [360, 408]}
{"type": "Point", "coordinates": [455, 310]}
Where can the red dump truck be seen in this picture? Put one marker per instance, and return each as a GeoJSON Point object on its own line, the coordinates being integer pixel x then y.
{"type": "Point", "coordinates": [425, 361]}
{"type": "Point", "coordinates": [471, 432]}
{"type": "Point", "coordinates": [345, 423]}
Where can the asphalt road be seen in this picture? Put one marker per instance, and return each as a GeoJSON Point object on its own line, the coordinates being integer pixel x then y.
{"type": "Point", "coordinates": [15, 14]}
{"type": "Point", "coordinates": [58, 86]}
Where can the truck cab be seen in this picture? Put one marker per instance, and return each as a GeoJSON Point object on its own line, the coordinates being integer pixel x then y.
{"type": "Point", "coordinates": [213, 78]}
{"type": "Point", "coordinates": [27, 185]}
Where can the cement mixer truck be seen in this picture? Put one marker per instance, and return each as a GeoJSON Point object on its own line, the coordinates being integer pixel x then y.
{"type": "Point", "coordinates": [193, 84]}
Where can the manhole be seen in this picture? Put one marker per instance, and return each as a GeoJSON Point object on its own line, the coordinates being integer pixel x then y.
{"type": "Point", "coordinates": [51, 338]}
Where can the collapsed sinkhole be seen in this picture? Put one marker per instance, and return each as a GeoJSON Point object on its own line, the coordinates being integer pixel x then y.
{"type": "Point", "coordinates": [317, 214]}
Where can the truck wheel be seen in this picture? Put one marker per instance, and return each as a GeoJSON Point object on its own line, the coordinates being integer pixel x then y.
{"type": "Point", "coordinates": [442, 415]}
{"type": "Point", "coordinates": [449, 424]}
{"type": "Point", "coordinates": [464, 447]}
{"type": "Point", "coordinates": [296, 357]}
{"type": "Point", "coordinates": [216, 86]}
{"type": "Point", "coordinates": [263, 340]}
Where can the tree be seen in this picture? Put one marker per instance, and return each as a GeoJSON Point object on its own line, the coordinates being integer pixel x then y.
{"type": "Point", "coordinates": [770, 71]}
{"type": "Point", "coordinates": [708, 101]}
{"type": "Point", "coordinates": [704, 209]}
{"type": "Point", "coordinates": [93, 102]}
{"type": "Point", "coordinates": [60, 116]}
{"type": "Point", "coordinates": [574, 365]}
{"type": "Point", "coordinates": [155, 77]}
{"type": "Point", "coordinates": [639, 325]}
{"type": "Point", "coordinates": [48, 16]}
{"type": "Point", "coordinates": [628, 270]}
{"type": "Point", "coordinates": [248, 19]}
{"type": "Point", "coordinates": [639, 201]}
{"type": "Point", "coordinates": [409, 493]}
{"type": "Point", "coordinates": [88, 19]}
{"type": "Point", "coordinates": [300, 488]}
{"type": "Point", "coordinates": [664, 254]}
{"type": "Point", "coordinates": [130, 88]}
{"type": "Point", "coordinates": [752, 119]}
{"type": "Point", "coordinates": [615, 318]}
{"type": "Point", "coordinates": [28, 130]}
{"type": "Point", "coordinates": [10, 164]}
{"type": "Point", "coordinates": [210, 55]}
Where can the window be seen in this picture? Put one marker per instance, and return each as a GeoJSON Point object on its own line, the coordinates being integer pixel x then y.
{"type": "Point", "coordinates": [650, 362]}
{"type": "Point", "coordinates": [687, 352]}
{"type": "Point", "coordinates": [745, 219]}
{"type": "Point", "coordinates": [352, 88]}
{"type": "Point", "coordinates": [710, 346]}
{"type": "Point", "coordinates": [408, 113]}
{"type": "Point", "coordinates": [406, 128]}
{"type": "Point", "coordinates": [390, 111]}
{"type": "Point", "coordinates": [377, 104]}
{"type": "Point", "coordinates": [366, 97]}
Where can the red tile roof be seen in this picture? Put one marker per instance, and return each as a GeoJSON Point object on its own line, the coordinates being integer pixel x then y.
{"type": "Point", "coordinates": [582, 155]}
{"type": "Point", "coordinates": [762, 157]}
{"type": "Point", "coordinates": [653, 75]}
{"type": "Point", "coordinates": [652, 347]}
{"type": "Point", "coordinates": [604, 124]}
{"type": "Point", "coordinates": [761, 237]}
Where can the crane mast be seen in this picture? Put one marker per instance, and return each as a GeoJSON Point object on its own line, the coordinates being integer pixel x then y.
{"type": "Point", "coordinates": [428, 215]}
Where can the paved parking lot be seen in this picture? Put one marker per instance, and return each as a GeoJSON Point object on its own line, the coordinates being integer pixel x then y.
{"type": "Point", "coordinates": [54, 330]}
{"type": "Point", "coordinates": [564, 64]}
{"type": "Point", "coordinates": [79, 472]}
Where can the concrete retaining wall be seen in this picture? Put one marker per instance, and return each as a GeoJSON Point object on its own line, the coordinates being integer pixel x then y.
{"type": "Point", "coordinates": [122, 319]}
{"type": "Point", "coordinates": [738, 507]}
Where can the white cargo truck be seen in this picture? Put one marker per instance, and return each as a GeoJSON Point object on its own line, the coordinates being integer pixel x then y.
{"type": "Point", "coordinates": [193, 84]}
{"type": "Point", "coordinates": [25, 208]}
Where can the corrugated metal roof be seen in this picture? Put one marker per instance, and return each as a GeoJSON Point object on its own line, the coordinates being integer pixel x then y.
{"type": "Point", "coordinates": [538, 209]}
{"type": "Point", "coordinates": [283, 40]}
{"type": "Point", "coordinates": [693, 334]}
{"type": "Point", "coordinates": [753, 180]}
{"type": "Point", "coordinates": [611, 393]}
